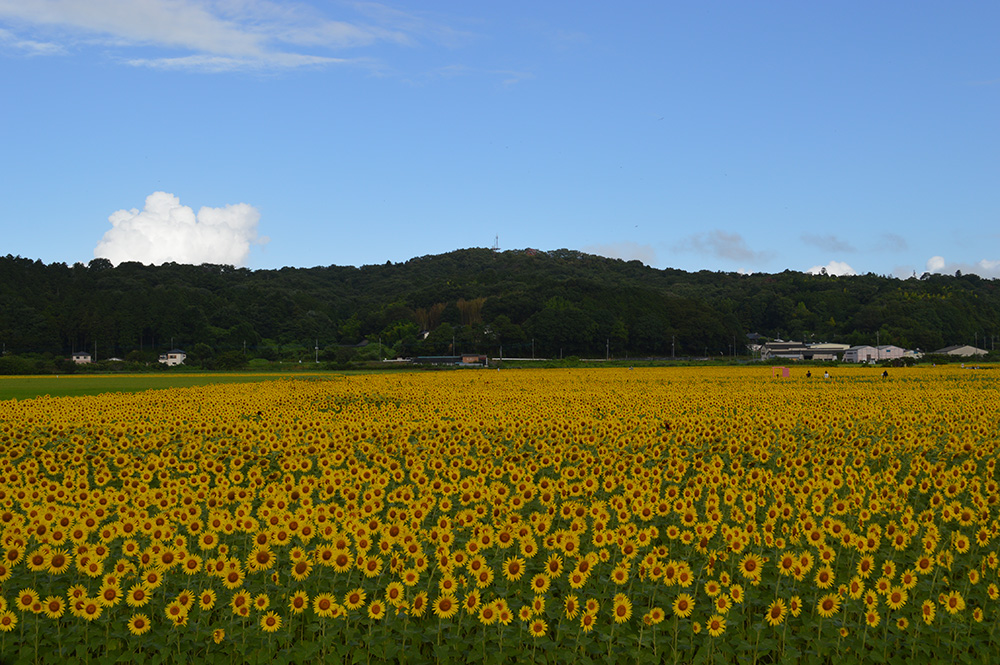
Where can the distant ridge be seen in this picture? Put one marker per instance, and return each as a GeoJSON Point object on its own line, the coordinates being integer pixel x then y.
{"type": "Point", "coordinates": [476, 300]}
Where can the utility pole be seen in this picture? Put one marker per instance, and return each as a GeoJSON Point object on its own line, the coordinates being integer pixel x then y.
{"type": "Point", "coordinates": [316, 349]}
{"type": "Point", "coordinates": [673, 346]}
{"type": "Point", "coordinates": [607, 349]}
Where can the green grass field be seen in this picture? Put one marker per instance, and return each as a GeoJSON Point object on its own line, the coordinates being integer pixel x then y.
{"type": "Point", "coordinates": [28, 387]}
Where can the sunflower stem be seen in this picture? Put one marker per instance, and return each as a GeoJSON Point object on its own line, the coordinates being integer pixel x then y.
{"type": "Point", "coordinates": [676, 655]}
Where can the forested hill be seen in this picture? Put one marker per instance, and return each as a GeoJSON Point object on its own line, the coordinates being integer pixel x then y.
{"type": "Point", "coordinates": [550, 302]}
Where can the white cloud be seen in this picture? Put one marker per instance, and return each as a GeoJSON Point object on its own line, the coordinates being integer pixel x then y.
{"type": "Point", "coordinates": [835, 268]}
{"type": "Point", "coordinates": [166, 231]}
{"type": "Point", "coordinates": [210, 34]}
{"type": "Point", "coordinates": [984, 268]}
{"type": "Point", "coordinates": [627, 251]}
{"type": "Point", "coordinates": [29, 46]}
{"type": "Point", "coordinates": [218, 63]}
{"type": "Point", "coordinates": [724, 245]}
{"type": "Point", "coordinates": [935, 264]}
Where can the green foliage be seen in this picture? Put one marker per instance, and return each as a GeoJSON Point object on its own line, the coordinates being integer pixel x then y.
{"type": "Point", "coordinates": [230, 360]}
{"type": "Point", "coordinates": [60, 386]}
{"type": "Point", "coordinates": [541, 303]}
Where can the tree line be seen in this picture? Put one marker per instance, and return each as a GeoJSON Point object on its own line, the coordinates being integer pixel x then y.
{"type": "Point", "coordinates": [525, 303]}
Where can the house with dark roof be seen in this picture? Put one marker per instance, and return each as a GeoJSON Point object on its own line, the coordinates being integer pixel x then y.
{"type": "Point", "coordinates": [801, 351]}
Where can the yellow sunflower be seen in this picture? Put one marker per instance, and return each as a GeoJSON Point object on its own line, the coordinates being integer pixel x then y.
{"type": "Point", "coordinates": [896, 597]}
{"type": "Point", "coordinates": [25, 599]}
{"type": "Point", "coordinates": [54, 606]}
{"type": "Point", "coordinates": [138, 595]}
{"type": "Point", "coordinates": [927, 611]}
{"type": "Point", "coordinates": [716, 625]}
{"type": "Point", "coordinates": [621, 608]}
{"type": "Point", "coordinates": [270, 622]}
{"type": "Point", "coordinates": [828, 605]}
{"type": "Point", "coordinates": [683, 605]}
{"type": "Point", "coordinates": [751, 567]}
{"type": "Point", "coordinates": [376, 610]}
{"type": "Point", "coordinates": [445, 606]}
{"type": "Point", "coordinates": [8, 621]}
{"type": "Point", "coordinates": [540, 583]}
{"type": "Point", "coordinates": [139, 624]}
{"type": "Point", "coordinates": [571, 606]}
{"type": "Point", "coordinates": [487, 614]}
{"type": "Point", "coordinates": [355, 598]}
{"type": "Point", "coordinates": [323, 605]}
{"type": "Point", "coordinates": [298, 602]}
{"type": "Point", "coordinates": [206, 600]}
{"type": "Point", "coordinates": [513, 568]}
{"type": "Point", "coordinates": [419, 605]}
{"type": "Point", "coordinates": [776, 612]}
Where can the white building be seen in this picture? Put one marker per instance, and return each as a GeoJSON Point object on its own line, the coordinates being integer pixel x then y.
{"type": "Point", "coordinates": [826, 351]}
{"type": "Point", "coordinates": [82, 358]}
{"type": "Point", "coordinates": [964, 350]}
{"type": "Point", "coordinates": [171, 358]}
{"type": "Point", "coordinates": [890, 352]}
{"type": "Point", "coordinates": [860, 354]}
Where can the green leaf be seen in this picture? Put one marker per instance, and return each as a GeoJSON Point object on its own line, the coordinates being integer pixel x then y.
{"type": "Point", "coordinates": [304, 652]}
{"type": "Point", "coordinates": [767, 644]}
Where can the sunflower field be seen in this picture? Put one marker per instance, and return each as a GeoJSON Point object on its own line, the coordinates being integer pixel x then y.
{"type": "Point", "coordinates": [676, 515]}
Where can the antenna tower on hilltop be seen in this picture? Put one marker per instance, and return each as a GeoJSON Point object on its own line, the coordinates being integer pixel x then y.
{"type": "Point", "coordinates": [496, 243]}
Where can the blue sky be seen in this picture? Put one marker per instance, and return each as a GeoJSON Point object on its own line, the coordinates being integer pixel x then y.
{"type": "Point", "coordinates": [751, 136]}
